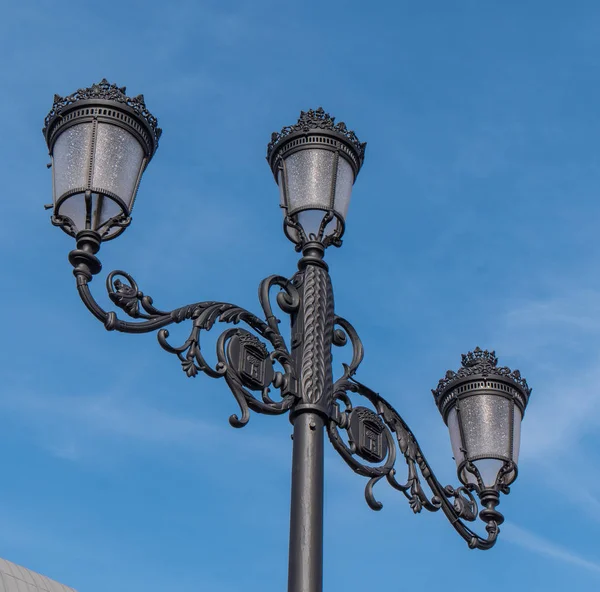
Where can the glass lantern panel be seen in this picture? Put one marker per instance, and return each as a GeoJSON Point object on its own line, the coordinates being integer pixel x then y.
{"type": "Point", "coordinates": [309, 177]}
{"type": "Point", "coordinates": [486, 425]}
{"type": "Point", "coordinates": [510, 477]}
{"type": "Point", "coordinates": [310, 220]}
{"type": "Point", "coordinates": [516, 434]}
{"type": "Point", "coordinates": [101, 210]}
{"type": "Point", "coordinates": [468, 477]}
{"type": "Point", "coordinates": [74, 208]}
{"type": "Point", "coordinates": [281, 192]}
{"type": "Point", "coordinates": [455, 438]}
{"type": "Point", "coordinates": [488, 469]}
{"type": "Point", "coordinates": [343, 187]}
{"type": "Point", "coordinates": [117, 162]}
{"type": "Point", "coordinates": [104, 209]}
{"type": "Point", "coordinates": [71, 158]}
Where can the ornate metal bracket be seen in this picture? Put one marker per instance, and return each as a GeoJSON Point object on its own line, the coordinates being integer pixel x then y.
{"type": "Point", "coordinates": [371, 439]}
{"type": "Point", "coordinates": [243, 359]}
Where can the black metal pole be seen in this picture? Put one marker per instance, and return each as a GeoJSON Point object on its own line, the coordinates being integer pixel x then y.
{"type": "Point", "coordinates": [306, 516]}
{"type": "Point", "coordinates": [312, 334]}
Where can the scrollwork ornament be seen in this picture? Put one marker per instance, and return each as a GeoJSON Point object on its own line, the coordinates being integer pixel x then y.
{"type": "Point", "coordinates": [392, 439]}
{"type": "Point", "coordinates": [479, 363]}
{"type": "Point", "coordinates": [317, 119]}
{"type": "Point", "coordinates": [370, 437]}
{"type": "Point", "coordinates": [104, 90]}
{"type": "Point", "coordinates": [243, 360]}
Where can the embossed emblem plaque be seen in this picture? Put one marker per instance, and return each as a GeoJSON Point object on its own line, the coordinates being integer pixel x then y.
{"type": "Point", "coordinates": [366, 433]}
{"type": "Point", "coordinates": [249, 357]}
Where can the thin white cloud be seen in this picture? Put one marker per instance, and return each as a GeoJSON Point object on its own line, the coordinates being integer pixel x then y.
{"type": "Point", "coordinates": [555, 322]}
{"type": "Point", "coordinates": [533, 542]}
{"type": "Point", "coordinates": [567, 409]}
{"type": "Point", "coordinates": [557, 342]}
{"type": "Point", "coordinates": [78, 428]}
{"type": "Point", "coordinates": [107, 413]}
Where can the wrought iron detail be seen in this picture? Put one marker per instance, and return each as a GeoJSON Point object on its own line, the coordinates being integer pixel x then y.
{"type": "Point", "coordinates": [243, 360]}
{"type": "Point", "coordinates": [317, 119]}
{"type": "Point", "coordinates": [396, 439]}
{"type": "Point", "coordinates": [369, 439]}
{"type": "Point", "coordinates": [249, 358]}
{"type": "Point", "coordinates": [479, 362]}
{"type": "Point", "coordinates": [313, 337]}
{"type": "Point", "coordinates": [104, 90]}
{"type": "Point", "coordinates": [475, 365]}
{"type": "Point", "coordinates": [252, 355]}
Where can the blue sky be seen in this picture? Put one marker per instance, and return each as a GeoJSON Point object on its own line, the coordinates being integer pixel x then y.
{"type": "Point", "coordinates": [473, 222]}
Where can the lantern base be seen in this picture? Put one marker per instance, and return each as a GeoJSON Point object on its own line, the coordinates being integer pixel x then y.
{"type": "Point", "coordinates": [83, 258]}
{"type": "Point", "coordinates": [490, 498]}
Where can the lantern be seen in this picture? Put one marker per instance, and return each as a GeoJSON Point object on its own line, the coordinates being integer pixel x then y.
{"type": "Point", "coordinates": [483, 405]}
{"type": "Point", "coordinates": [100, 142]}
{"type": "Point", "coordinates": [315, 163]}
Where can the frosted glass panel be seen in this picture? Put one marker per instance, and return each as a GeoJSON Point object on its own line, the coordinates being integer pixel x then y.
{"type": "Point", "coordinates": [101, 210]}
{"type": "Point", "coordinates": [310, 220]}
{"type": "Point", "coordinates": [281, 191]}
{"type": "Point", "coordinates": [117, 162]}
{"type": "Point", "coordinates": [343, 187]}
{"type": "Point", "coordinates": [517, 434]}
{"type": "Point", "coordinates": [74, 208]}
{"type": "Point", "coordinates": [455, 436]}
{"type": "Point", "coordinates": [104, 209]}
{"type": "Point", "coordinates": [309, 179]}
{"type": "Point", "coordinates": [488, 469]}
{"type": "Point", "coordinates": [486, 425]}
{"type": "Point", "coordinates": [70, 159]}
{"type": "Point", "coordinates": [510, 477]}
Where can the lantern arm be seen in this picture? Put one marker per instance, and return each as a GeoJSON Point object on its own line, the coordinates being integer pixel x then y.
{"type": "Point", "coordinates": [379, 435]}
{"type": "Point", "coordinates": [243, 359]}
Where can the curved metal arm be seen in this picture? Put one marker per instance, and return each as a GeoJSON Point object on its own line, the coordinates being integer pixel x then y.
{"type": "Point", "coordinates": [376, 436]}
{"type": "Point", "coordinates": [242, 358]}
{"type": "Point", "coordinates": [373, 436]}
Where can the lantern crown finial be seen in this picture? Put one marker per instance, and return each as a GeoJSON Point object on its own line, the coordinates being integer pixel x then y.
{"type": "Point", "coordinates": [106, 91]}
{"type": "Point", "coordinates": [479, 357]}
{"type": "Point", "coordinates": [479, 363]}
{"type": "Point", "coordinates": [317, 119]}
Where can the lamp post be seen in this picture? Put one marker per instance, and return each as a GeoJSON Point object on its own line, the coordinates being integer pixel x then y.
{"type": "Point", "coordinates": [100, 141]}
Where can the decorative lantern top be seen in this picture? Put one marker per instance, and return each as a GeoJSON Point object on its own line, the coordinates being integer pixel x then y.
{"type": "Point", "coordinates": [104, 91]}
{"type": "Point", "coordinates": [316, 120]}
{"type": "Point", "coordinates": [475, 364]}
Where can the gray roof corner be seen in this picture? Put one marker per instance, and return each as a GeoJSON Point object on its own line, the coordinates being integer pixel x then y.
{"type": "Point", "coordinates": [14, 578]}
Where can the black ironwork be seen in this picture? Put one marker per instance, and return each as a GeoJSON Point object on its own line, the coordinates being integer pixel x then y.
{"type": "Point", "coordinates": [480, 375]}
{"type": "Point", "coordinates": [97, 93]}
{"type": "Point", "coordinates": [375, 434]}
{"type": "Point", "coordinates": [315, 122]}
{"type": "Point", "coordinates": [105, 103]}
{"type": "Point", "coordinates": [305, 567]}
{"type": "Point", "coordinates": [314, 129]}
{"type": "Point", "coordinates": [363, 427]}
{"type": "Point", "coordinates": [479, 364]}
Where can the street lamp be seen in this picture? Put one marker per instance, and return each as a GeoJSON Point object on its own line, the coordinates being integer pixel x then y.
{"type": "Point", "coordinates": [315, 163]}
{"type": "Point", "coordinates": [100, 142]}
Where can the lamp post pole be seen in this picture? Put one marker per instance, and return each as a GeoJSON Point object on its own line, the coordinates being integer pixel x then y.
{"type": "Point", "coordinates": [305, 568]}
{"type": "Point", "coordinates": [312, 334]}
{"type": "Point", "coordinates": [101, 141]}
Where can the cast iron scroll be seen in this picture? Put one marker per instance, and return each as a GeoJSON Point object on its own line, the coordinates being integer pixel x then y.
{"type": "Point", "coordinates": [125, 294]}
{"type": "Point", "coordinates": [308, 299]}
{"type": "Point", "coordinates": [312, 339]}
{"type": "Point", "coordinates": [458, 504]}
